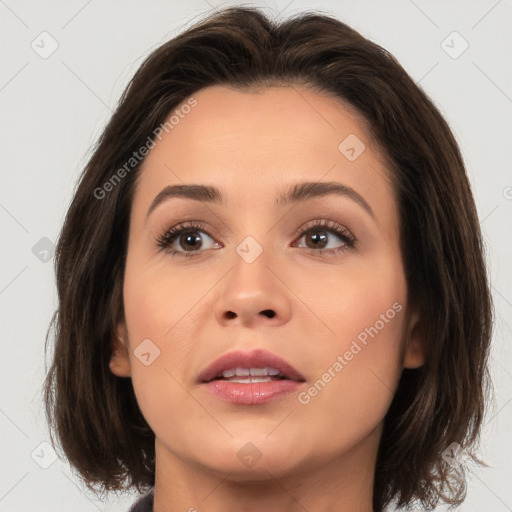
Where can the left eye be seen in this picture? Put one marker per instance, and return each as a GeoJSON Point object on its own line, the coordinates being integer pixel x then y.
{"type": "Point", "coordinates": [319, 232]}
{"type": "Point", "coordinates": [319, 240]}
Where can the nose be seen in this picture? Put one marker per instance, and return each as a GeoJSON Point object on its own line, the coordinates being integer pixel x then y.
{"type": "Point", "coordinates": [252, 294]}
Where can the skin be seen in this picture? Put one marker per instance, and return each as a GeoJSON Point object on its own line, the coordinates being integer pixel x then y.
{"type": "Point", "coordinates": [317, 456]}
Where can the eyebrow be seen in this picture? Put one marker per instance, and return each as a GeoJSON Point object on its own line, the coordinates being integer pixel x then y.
{"type": "Point", "coordinates": [299, 192]}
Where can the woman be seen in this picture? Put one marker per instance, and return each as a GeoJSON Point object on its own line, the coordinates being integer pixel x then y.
{"type": "Point", "coordinates": [272, 288]}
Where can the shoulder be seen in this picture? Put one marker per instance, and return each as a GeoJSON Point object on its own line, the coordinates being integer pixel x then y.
{"type": "Point", "coordinates": [143, 503]}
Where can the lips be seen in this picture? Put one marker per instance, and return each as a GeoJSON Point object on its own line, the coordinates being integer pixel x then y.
{"type": "Point", "coordinates": [253, 365]}
{"type": "Point", "coordinates": [250, 378]}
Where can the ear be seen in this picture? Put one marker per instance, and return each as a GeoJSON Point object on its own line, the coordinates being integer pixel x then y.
{"type": "Point", "coordinates": [414, 352]}
{"type": "Point", "coordinates": [120, 360]}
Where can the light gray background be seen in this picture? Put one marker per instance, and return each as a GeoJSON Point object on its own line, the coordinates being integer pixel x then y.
{"type": "Point", "coordinates": [53, 110]}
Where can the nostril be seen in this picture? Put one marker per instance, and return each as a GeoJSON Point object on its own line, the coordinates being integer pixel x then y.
{"type": "Point", "coordinates": [267, 312]}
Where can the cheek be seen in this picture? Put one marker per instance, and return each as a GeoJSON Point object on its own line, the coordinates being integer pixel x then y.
{"type": "Point", "coordinates": [359, 366]}
{"type": "Point", "coordinates": [156, 318]}
{"type": "Point", "coordinates": [354, 386]}
{"type": "Point", "coordinates": [148, 309]}
{"type": "Point", "coordinates": [154, 298]}
{"type": "Point", "coordinates": [357, 300]}
{"type": "Point", "coordinates": [165, 405]}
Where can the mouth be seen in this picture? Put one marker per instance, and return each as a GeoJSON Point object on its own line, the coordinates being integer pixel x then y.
{"type": "Point", "coordinates": [250, 378]}
{"type": "Point", "coordinates": [250, 367]}
{"type": "Point", "coordinates": [251, 375]}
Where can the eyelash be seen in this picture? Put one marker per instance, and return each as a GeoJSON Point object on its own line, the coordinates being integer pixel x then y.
{"type": "Point", "coordinates": [168, 237]}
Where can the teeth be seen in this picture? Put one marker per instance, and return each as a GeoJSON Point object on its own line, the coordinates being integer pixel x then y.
{"type": "Point", "coordinates": [246, 372]}
{"type": "Point", "coordinates": [252, 380]}
{"type": "Point", "coordinates": [258, 371]}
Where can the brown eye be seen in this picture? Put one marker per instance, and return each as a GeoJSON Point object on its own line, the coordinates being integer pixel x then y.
{"type": "Point", "coordinates": [317, 239]}
{"type": "Point", "coordinates": [327, 236]}
{"type": "Point", "coordinates": [185, 239]}
{"type": "Point", "coordinates": [190, 240]}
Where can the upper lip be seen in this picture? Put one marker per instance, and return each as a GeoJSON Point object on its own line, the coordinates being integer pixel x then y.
{"type": "Point", "coordinates": [257, 358]}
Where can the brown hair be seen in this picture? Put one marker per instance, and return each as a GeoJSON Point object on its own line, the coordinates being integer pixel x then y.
{"type": "Point", "coordinates": [95, 414]}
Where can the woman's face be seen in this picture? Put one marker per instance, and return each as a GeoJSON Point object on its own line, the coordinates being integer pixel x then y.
{"type": "Point", "coordinates": [317, 281]}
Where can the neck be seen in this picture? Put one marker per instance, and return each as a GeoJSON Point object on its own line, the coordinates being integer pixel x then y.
{"type": "Point", "coordinates": [342, 483]}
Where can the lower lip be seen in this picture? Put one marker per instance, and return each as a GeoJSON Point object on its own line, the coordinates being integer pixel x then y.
{"type": "Point", "coordinates": [251, 394]}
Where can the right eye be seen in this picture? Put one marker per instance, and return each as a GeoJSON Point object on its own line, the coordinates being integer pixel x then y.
{"type": "Point", "coordinates": [183, 236]}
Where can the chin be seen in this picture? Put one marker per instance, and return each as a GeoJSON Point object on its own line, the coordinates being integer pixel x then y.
{"type": "Point", "coordinates": [251, 459]}
{"type": "Point", "coordinates": [264, 470]}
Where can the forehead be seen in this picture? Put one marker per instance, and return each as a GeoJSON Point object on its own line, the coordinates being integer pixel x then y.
{"type": "Point", "coordinates": [253, 144]}
{"type": "Point", "coordinates": [285, 115]}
